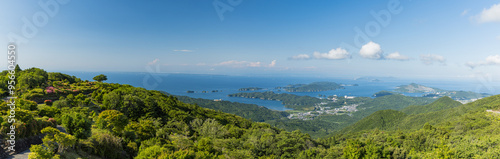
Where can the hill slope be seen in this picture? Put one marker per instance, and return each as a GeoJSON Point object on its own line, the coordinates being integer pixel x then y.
{"type": "Point", "coordinates": [383, 119]}
{"type": "Point", "coordinates": [441, 111]}
{"type": "Point", "coordinates": [466, 131]}
{"type": "Point", "coordinates": [440, 104]}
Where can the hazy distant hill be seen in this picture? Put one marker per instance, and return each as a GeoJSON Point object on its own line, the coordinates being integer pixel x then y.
{"type": "Point", "coordinates": [416, 88]}
{"type": "Point", "coordinates": [313, 87]}
{"type": "Point", "coordinates": [436, 92]}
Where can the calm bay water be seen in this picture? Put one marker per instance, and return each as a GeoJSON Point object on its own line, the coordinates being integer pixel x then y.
{"type": "Point", "coordinates": [179, 84]}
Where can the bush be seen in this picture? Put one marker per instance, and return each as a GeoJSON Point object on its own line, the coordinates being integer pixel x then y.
{"type": "Point", "coordinates": [40, 152]}
{"type": "Point", "coordinates": [48, 102]}
{"type": "Point", "coordinates": [49, 112]}
{"type": "Point", "coordinates": [108, 146]}
{"type": "Point", "coordinates": [34, 93]}
{"type": "Point", "coordinates": [112, 120]}
{"type": "Point", "coordinates": [26, 104]}
{"type": "Point", "coordinates": [77, 124]}
{"type": "Point", "coordinates": [151, 152]}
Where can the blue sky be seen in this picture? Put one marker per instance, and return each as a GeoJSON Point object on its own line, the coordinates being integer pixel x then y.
{"type": "Point", "coordinates": [422, 39]}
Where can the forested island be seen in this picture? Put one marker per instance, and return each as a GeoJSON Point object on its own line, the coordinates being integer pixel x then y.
{"type": "Point", "coordinates": [289, 100]}
{"type": "Point", "coordinates": [383, 93]}
{"type": "Point", "coordinates": [437, 93]}
{"type": "Point", "coordinates": [105, 120]}
{"type": "Point", "coordinates": [313, 87]}
{"type": "Point", "coordinates": [250, 89]}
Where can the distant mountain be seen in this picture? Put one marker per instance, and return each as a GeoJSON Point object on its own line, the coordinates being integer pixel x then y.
{"type": "Point", "coordinates": [250, 89]}
{"type": "Point", "coordinates": [416, 88]}
{"type": "Point", "coordinates": [437, 93]}
{"type": "Point", "coordinates": [372, 78]}
{"type": "Point", "coordinates": [313, 87]}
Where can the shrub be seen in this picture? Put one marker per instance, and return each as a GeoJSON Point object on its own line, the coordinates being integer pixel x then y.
{"type": "Point", "coordinates": [40, 152]}
{"type": "Point", "coordinates": [61, 103]}
{"type": "Point", "coordinates": [53, 121]}
{"type": "Point", "coordinates": [77, 124]}
{"type": "Point", "coordinates": [49, 112]}
{"type": "Point", "coordinates": [112, 120]}
{"type": "Point", "coordinates": [108, 146]}
{"type": "Point", "coordinates": [26, 104]}
{"type": "Point", "coordinates": [48, 102]}
{"type": "Point", "coordinates": [151, 152]}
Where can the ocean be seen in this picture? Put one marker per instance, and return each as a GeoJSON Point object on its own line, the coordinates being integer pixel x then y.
{"type": "Point", "coordinates": [219, 86]}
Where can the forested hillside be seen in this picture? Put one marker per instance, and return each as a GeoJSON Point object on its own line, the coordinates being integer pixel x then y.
{"type": "Point", "coordinates": [466, 131]}
{"type": "Point", "coordinates": [440, 104]}
{"type": "Point", "coordinates": [120, 121]}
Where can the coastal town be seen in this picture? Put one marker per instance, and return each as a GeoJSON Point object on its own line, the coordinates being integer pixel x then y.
{"type": "Point", "coordinates": [320, 109]}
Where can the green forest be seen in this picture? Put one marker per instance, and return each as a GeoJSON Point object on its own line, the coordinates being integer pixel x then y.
{"type": "Point", "coordinates": [109, 120]}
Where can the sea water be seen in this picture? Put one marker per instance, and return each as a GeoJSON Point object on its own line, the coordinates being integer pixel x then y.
{"type": "Point", "coordinates": [220, 86]}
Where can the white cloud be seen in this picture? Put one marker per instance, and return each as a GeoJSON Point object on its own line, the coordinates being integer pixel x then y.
{"type": "Point", "coordinates": [334, 54]}
{"type": "Point", "coordinates": [300, 57]}
{"type": "Point", "coordinates": [491, 14]}
{"type": "Point", "coordinates": [498, 37]}
{"type": "Point", "coordinates": [490, 60]}
{"type": "Point", "coordinates": [397, 56]}
{"type": "Point", "coordinates": [465, 12]}
{"type": "Point", "coordinates": [154, 61]}
{"type": "Point", "coordinates": [253, 64]}
{"type": "Point", "coordinates": [273, 63]}
{"type": "Point", "coordinates": [430, 59]}
{"type": "Point", "coordinates": [371, 50]}
{"type": "Point", "coordinates": [234, 63]}
{"type": "Point", "coordinates": [241, 64]}
{"type": "Point", "coordinates": [183, 50]}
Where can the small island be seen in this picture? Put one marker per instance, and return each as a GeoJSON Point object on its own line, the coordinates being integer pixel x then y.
{"type": "Point", "coordinates": [313, 87]}
{"type": "Point", "coordinates": [416, 88]}
{"type": "Point", "coordinates": [383, 93]}
{"type": "Point", "coordinates": [250, 89]}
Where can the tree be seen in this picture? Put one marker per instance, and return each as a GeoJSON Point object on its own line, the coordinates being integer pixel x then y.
{"type": "Point", "coordinates": [40, 152]}
{"type": "Point", "coordinates": [100, 78]}
{"type": "Point", "coordinates": [77, 124]}
{"type": "Point", "coordinates": [112, 120]}
{"type": "Point", "coordinates": [17, 69]}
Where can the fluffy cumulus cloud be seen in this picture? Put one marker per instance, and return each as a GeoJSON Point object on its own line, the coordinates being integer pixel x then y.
{"type": "Point", "coordinates": [490, 60]}
{"type": "Point", "coordinates": [430, 59]}
{"type": "Point", "coordinates": [273, 63]}
{"type": "Point", "coordinates": [397, 56]}
{"type": "Point", "coordinates": [491, 14]}
{"type": "Point", "coordinates": [241, 64]}
{"type": "Point", "coordinates": [300, 57]}
{"type": "Point", "coordinates": [334, 54]}
{"type": "Point", "coordinates": [371, 50]}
